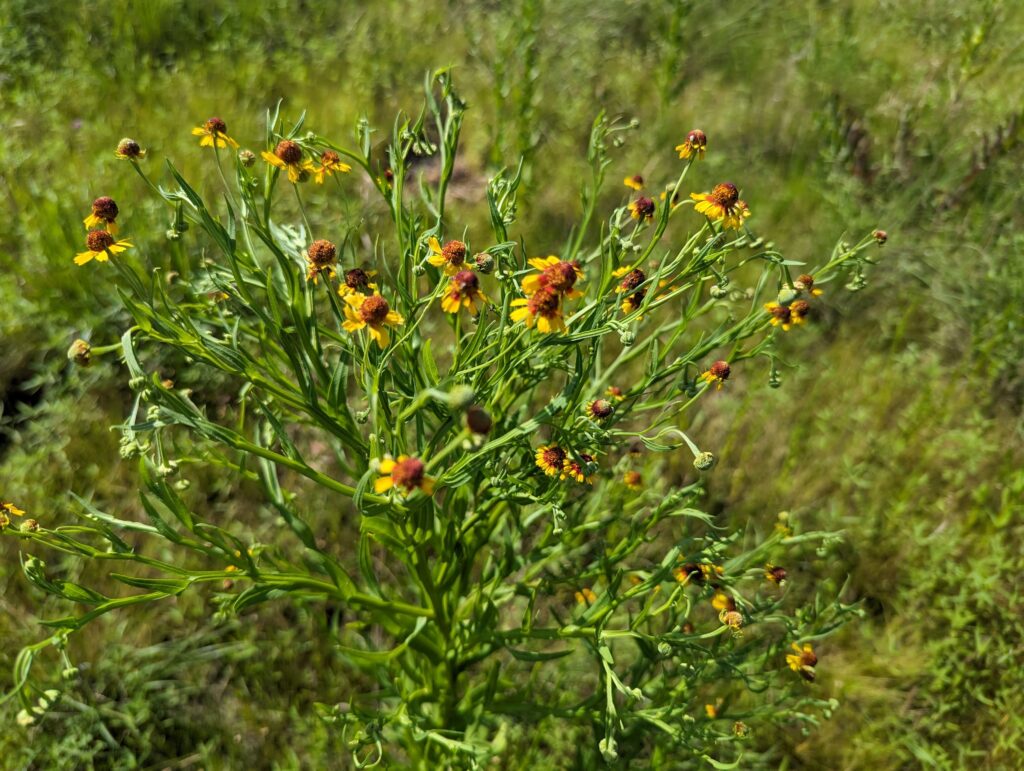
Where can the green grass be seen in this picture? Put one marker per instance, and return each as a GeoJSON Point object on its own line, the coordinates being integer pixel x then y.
{"type": "Point", "coordinates": [829, 115]}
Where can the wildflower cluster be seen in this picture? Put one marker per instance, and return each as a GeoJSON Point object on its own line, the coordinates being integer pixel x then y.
{"type": "Point", "coordinates": [495, 440]}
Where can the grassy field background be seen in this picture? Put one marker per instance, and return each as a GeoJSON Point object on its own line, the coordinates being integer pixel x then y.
{"type": "Point", "coordinates": [833, 117]}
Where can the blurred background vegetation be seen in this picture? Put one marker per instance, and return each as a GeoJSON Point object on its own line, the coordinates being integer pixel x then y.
{"type": "Point", "coordinates": [832, 117]}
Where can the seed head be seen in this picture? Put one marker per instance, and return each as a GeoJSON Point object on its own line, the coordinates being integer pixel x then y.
{"type": "Point", "coordinates": [478, 420]}
{"type": "Point", "coordinates": [288, 151]}
{"type": "Point", "coordinates": [98, 240]}
{"type": "Point", "coordinates": [408, 473]}
{"type": "Point", "coordinates": [321, 253]}
{"type": "Point", "coordinates": [105, 208]}
{"type": "Point", "coordinates": [80, 353]}
{"type": "Point", "coordinates": [374, 309]}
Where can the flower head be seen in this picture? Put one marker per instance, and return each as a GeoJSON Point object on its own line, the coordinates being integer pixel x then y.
{"type": "Point", "coordinates": [104, 214]}
{"type": "Point", "coordinates": [781, 315]}
{"type": "Point", "coordinates": [550, 459]}
{"type": "Point", "coordinates": [128, 149]}
{"type": "Point", "coordinates": [775, 574]}
{"type": "Point", "coordinates": [599, 409]}
{"type": "Point", "coordinates": [287, 156]}
{"type": "Point", "coordinates": [463, 291]}
{"type": "Point", "coordinates": [578, 468]}
{"type": "Point", "coordinates": [633, 480]}
{"type": "Point", "coordinates": [694, 146]}
{"type": "Point", "coordinates": [722, 203]}
{"type": "Point", "coordinates": [798, 310]}
{"type": "Point", "coordinates": [542, 308]}
{"type": "Point", "coordinates": [214, 133]}
{"type": "Point", "coordinates": [805, 283]}
{"type": "Point", "coordinates": [451, 257]}
{"type": "Point", "coordinates": [322, 256]}
{"type": "Point", "coordinates": [555, 274]}
{"type": "Point", "coordinates": [405, 473]}
{"type": "Point", "coordinates": [718, 373]}
{"type": "Point", "coordinates": [358, 281]}
{"type": "Point", "coordinates": [372, 313]}
{"type": "Point", "coordinates": [636, 182]}
{"type": "Point", "coordinates": [803, 661]}
{"type": "Point", "coordinates": [631, 279]}
{"type": "Point", "coordinates": [642, 209]}
{"type": "Point", "coordinates": [330, 164]}
{"type": "Point", "coordinates": [634, 301]}
{"type": "Point", "coordinates": [880, 236]}
{"type": "Point", "coordinates": [101, 245]}
{"type": "Point", "coordinates": [614, 393]}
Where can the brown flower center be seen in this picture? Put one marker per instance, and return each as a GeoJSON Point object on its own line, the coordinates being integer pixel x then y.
{"type": "Point", "coordinates": [454, 252]}
{"type": "Point", "coordinates": [644, 207]}
{"type": "Point", "coordinates": [554, 457]}
{"type": "Point", "coordinates": [725, 195]}
{"type": "Point", "coordinates": [357, 279]}
{"type": "Point", "coordinates": [216, 126]}
{"type": "Point", "coordinates": [288, 151]}
{"type": "Point", "coordinates": [408, 473]}
{"type": "Point", "coordinates": [329, 158]}
{"type": "Point", "coordinates": [98, 240]}
{"type": "Point", "coordinates": [805, 281]}
{"type": "Point", "coordinates": [322, 253]}
{"type": "Point", "coordinates": [697, 139]}
{"type": "Point", "coordinates": [544, 302]}
{"type": "Point", "coordinates": [129, 148]}
{"type": "Point", "coordinates": [720, 370]}
{"type": "Point", "coordinates": [105, 208]}
{"type": "Point", "coordinates": [632, 280]}
{"type": "Point", "coordinates": [601, 408]}
{"type": "Point", "coordinates": [466, 281]}
{"type": "Point", "coordinates": [799, 308]}
{"type": "Point", "coordinates": [561, 277]}
{"type": "Point", "coordinates": [633, 478]}
{"type": "Point", "coordinates": [781, 312]}
{"type": "Point", "coordinates": [374, 309]}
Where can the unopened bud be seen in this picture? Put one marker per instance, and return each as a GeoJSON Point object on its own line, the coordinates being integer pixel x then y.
{"type": "Point", "coordinates": [705, 461]}
{"type": "Point", "coordinates": [478, 420]}
{"type": "Point", "coordinates": [247, 158]}
{"type": "Point", "coordinates": [80, 353]}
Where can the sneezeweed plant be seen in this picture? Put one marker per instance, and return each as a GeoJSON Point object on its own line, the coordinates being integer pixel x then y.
{"type": "Point", "coordinates": [507, 454]}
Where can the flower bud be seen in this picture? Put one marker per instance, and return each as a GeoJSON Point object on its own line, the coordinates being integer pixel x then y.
{"type": "Point", "coordinates": [880, 237]}
{"type": "Point", "coordinates": [80, 353]}
{"type": "Point", "coordinates": [484, 262]}
{"type": "Point", "coordinates": [787, 294]}
{"type": "Point", "coordinates": [627, 338]}
{"type": "Point", "coordinates": [247, 158]}
{"type": "Point", "coordinates": [705, 461]}
{"type": "Point", "coordinates": [461, 397]}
